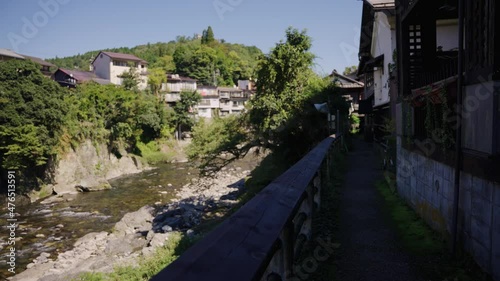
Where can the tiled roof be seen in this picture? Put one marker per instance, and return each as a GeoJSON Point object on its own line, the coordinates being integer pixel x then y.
{"type": "Point", "coordinates": [10, 53]}
{"type": "Point", "coordinates": [381, 4]}
{"type": "Point", "coordinates": [39, 61]}
{"type": "Point", "coordinates": [346, 81]}
{"type": "Point", "coordinates": [83, 76]}
{"type": "Point", "coordinates": [228, 89]}
{"type": "Point", "coordinates": [126, 57]}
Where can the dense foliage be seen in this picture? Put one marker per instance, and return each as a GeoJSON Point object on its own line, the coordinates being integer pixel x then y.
{"type": "Point", "coordinates": [209, 60]}
{"type": "Point", "coordinates": [114, 115]}
{"type": "Point", "coordinates": [281, 116]}
{"type": "Point", "coordinates": [32, 115]}
{"type": "Point", "coordinates": [184, 109]}
{"type": "Point", "coordinates": [39, 119]}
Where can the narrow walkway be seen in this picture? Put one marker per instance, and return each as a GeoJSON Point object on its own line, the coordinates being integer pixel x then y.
{"type": "Point", "coordinates": [369, 248]}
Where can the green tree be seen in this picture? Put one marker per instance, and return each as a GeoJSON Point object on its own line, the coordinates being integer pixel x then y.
{"type": "Point", "coordinates": [282, 77]}
{"type": "Point", "coordinates": [32, 113]}
{"type": "Point", "coordinates": [184, 110]}
{"type": "Point", "coordinates": [350, 70]}
{"type": "Point", "coordinates": [207, 36]}
{"type": "Point", "coordinates": [130, 79]}
{"type": "Point", "coordinates": [166, 63]}
{"type": "Point", "coordinates": [221, 135]}
{"type": "Point", "coordinates": [156, 78]}
{"type": "Point", "coordinates": [281, 116]}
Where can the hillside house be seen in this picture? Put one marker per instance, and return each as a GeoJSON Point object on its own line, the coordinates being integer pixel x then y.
{"type": "Point", "coordinates": [175, 85]}
{"type": "Point", "coordinates": [376, 48]}
{"type": "Point", "coordinates": [110, 66]}
{"type": "Point", "coordinates": [232, 100]}
{"type": "Point", "coordinates": [71, 78]}
{"type": "Point", "coordinates": [45, 67]}
{"type": "Point", "coordinates": [209, 105]}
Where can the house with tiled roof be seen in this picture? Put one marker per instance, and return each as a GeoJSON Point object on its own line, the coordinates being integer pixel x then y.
{"type": "Point", "coordinates": [70, 78]}
{"type": "Point", "coordinates": [45, 67]}
{"type": "Point", "coordinates": [111, 66]}
{"type": "Point", "coordinates": [175, 85]}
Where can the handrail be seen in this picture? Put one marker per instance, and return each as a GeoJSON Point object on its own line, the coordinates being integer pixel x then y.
{"type": "Point", "coordinates": [261, 239]}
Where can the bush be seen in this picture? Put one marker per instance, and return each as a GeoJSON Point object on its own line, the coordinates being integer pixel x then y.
{"type": "Point", "coordinates": [151, 152]}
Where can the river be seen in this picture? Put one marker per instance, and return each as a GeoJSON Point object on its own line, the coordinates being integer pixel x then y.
{"type": "Point", "coordinates": [55, 227]}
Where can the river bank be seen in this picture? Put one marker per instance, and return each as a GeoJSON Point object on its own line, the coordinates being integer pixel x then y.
{"type": "Point", "coordinates": [139, 233]}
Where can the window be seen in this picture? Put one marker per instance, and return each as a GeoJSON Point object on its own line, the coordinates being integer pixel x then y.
{"type": "Point", "coordinates": [119, 63]}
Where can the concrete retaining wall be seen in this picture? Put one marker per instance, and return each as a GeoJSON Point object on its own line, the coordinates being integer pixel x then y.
{"type": "Point", "coordinates": [428, 186]}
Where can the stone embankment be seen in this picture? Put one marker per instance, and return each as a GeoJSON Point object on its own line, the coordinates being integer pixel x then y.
{"type": "Point", "coordinates": [139, 233]}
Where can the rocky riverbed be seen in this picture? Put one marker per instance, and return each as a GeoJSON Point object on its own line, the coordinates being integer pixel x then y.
{"type": "Point", "coordinates": [139, 233]}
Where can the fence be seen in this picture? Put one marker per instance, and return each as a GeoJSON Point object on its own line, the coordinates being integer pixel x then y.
{"type": "Point", "coordinates": [263, 238]}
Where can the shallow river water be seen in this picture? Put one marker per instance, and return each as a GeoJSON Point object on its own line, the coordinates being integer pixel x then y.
{"type": "Point", "coordinates": [54, 228]}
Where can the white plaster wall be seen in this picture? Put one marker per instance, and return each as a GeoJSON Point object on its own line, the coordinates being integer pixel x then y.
{"type": "Point", "coordinates": [383, 43]}
{"type": "Point", "coordinates": [447, 35]}
{"type": "Point", "coordinates": [101, 66]}
{"type": "Point", "coordinates": [179, 87]}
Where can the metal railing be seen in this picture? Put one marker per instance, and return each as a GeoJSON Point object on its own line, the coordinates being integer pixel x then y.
{"type": "Point", "coordinates": [264, 237]}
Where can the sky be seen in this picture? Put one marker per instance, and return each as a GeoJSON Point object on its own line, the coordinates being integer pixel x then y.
{"type": "Point", "coordinates": [49, 28]}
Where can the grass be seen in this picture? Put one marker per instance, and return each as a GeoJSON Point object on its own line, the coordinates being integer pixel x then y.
{"type": "Point", "coordinates": [427, 246]}
{"type": "Point", "coordinates": [148, 267]}
{"type": "Point", "coordinates": [152, 153]}
{"type": "Point", "coordinates": [325, 223]}
{"type": "Point", "coordinates": [414, 233]}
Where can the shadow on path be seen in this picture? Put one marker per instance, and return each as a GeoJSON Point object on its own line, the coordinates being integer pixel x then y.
{"type": "Point", "coordinates": [369, 248]}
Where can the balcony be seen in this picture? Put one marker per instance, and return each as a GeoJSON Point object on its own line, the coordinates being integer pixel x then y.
{"type": "Point", "coordinates": [172, 97]}
{"type": "Point", "coordinates": [224, 95]}
{"type": "Point", "coordinates": [445, 66]}
{"type": "Point", "coordinates": [239, 95]}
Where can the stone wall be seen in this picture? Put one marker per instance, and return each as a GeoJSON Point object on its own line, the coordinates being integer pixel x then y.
{"type": "Point", "coordinates": [428, 186]}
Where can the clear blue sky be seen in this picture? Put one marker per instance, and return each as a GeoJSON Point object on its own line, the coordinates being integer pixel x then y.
{"type": "Point", "coordinates": [68, 27]}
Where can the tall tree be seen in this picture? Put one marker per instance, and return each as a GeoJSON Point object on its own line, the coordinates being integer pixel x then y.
{"type": "Point", "coordinates": [207, 36]}
{"type": "Point", "coordinates": [184, 110]}
{"type": "Point", "coordinates": [282, 77]}
{"type": "Point", "coordinates": [130, 79]}
{"type": "Point", "coordinates": [156, 78]}
{"type": "Point", "coordinates": [32, 112]}
{"type": "Point", "coordinates": [350, 69]}
{"type": "Point", "coordinates": [210, 35]}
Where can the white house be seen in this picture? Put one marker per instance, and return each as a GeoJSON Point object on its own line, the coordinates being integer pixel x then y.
{"type": "Point", "coordinates": [232, 100]}
{"type": "Point", "coordinates": [111, 66]}
{"type": "Point", "coordinates": [209, 105]}
{"type": "Point", "coordinates": [376, 49]}
{"type": "Point", "coordinates": [382, 47]}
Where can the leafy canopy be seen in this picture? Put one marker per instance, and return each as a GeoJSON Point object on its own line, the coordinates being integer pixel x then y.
{"type": "Point", "coordinates": [32, 112]}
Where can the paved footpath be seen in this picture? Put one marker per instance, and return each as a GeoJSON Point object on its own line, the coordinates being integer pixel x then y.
{"type": "Point", "coordinates": [369, 249]}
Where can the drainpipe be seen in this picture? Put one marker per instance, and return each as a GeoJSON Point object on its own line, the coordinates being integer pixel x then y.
{"type": "Point", "coordinates": [458, 137]}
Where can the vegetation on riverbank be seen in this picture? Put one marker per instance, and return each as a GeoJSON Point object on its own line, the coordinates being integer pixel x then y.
{"type": "Point", "coordinates": [41, 120]}
{"type": "Point", "coordinates": [148, 267]}
{"type": "Point", "coordinates": [281, 116]}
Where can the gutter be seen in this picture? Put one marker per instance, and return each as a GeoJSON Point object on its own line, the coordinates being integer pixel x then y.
{"type": "Point", "coordinates": [458, 137]}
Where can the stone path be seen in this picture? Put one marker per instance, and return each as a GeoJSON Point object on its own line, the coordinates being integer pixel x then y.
{"type": "Point", "coordinates": [369, 248]}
